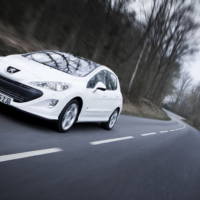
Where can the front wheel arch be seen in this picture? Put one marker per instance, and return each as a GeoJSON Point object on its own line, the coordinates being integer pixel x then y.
{"type": "Point", "coordinates": [76, 100]}
{"type": "Point", "coordinates": [80, 101]}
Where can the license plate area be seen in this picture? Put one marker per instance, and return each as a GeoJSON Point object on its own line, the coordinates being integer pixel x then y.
{"type": "Point", "coordinates": [5, 99]}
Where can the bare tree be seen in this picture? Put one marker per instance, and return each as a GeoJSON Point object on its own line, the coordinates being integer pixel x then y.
{"type": "Point", "coordinates": [182, 86]}
{"type": "Point", "coordinates": [168, 27]}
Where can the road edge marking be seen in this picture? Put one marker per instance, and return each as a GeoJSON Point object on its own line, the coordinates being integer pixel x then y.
{"type": "Point", "coordinates": [148, 134]}
{"type": "Point", "coordinates": [173, 130]}
{"type": "Point", "coordinates": [111, 140]}
{"type": "Point", "coordinates": [164, 131]}
{"type": "Point", "coordinates": [28, 154]}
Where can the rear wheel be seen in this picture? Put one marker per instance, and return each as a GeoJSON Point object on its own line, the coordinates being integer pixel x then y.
{"type": "Point", "coordinates": [112, 120]}
{"type": "Point", "coordinates": [68, 116]}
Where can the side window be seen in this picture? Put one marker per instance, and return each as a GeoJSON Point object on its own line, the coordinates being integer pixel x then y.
{"type": "Point", "coordinates": [111, 81]}
{"type": "Point", "coordinates": [99, 77]}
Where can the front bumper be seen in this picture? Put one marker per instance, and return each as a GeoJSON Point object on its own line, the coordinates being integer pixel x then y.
{"type": "Point", "coordinates": [33, 100]}
{"type": "Point", "coordinates": [19, 92]}
{"type": "Point", "coordinates": [40, 107]}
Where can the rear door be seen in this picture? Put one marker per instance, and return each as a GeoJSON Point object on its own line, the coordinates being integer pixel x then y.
{"type": "Point", "coordinates": [113, 95]}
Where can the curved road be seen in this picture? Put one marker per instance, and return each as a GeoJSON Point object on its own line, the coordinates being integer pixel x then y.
{"type": "Point", "coordinates": [141, 159]}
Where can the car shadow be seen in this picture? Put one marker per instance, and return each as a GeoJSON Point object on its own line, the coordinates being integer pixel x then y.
{"type": "Point", "coordinates": [41, 125]}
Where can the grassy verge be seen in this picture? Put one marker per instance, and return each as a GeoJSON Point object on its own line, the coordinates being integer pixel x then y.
{"type": "Point", "coordinates": [145, 109]}
{"type": "Point", "coordinates": [192, 124]}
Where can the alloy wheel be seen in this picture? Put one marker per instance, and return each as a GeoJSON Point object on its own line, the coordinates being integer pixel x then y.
{"type": "Point", "coordinates": [69, 116]}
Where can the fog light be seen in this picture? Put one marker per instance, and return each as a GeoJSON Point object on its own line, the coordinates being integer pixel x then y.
{"type": "Point", "coordinates": [52, 103]}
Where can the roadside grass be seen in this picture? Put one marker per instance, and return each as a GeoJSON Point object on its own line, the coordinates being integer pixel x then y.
{"type": "Point", "coordinates": [145, 109]}
{"type": "Point", "coordinates": [192, 124]}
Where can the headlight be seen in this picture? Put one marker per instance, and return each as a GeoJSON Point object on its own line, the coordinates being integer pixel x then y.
{"type": "Point", "coordinates": [56, 86]}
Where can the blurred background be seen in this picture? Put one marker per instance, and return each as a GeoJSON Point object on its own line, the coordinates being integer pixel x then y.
{"type": "Point", "coordinates": [150, 44]}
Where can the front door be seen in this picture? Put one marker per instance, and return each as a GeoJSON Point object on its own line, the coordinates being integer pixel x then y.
{"type": "Point", "coordinates": [97, 103]}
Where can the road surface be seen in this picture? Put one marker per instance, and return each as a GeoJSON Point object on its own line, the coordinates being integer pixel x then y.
{"type": "Point", "coordinates": [141, 159]}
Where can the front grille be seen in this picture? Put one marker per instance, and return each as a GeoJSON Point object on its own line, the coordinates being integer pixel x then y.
{"type": "Point", "coordinates": [19, 92]}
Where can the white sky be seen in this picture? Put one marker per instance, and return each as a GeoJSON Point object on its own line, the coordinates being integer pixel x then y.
{"type": "Point", "coordinates": [190, 64]}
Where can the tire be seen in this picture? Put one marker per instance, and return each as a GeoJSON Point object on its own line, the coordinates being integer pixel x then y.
{"type": "Point", "coordinates": [68, 116]}
{"type": "Point", "coordinates": [110, 123]}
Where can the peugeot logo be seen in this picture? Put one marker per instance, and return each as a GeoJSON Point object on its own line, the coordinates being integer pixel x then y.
{"type": "Point", "coordinates": [12, 70]}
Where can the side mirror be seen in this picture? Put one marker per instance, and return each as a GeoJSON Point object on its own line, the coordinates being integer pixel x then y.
{"type": "Point", "coordinates": [99, 86]}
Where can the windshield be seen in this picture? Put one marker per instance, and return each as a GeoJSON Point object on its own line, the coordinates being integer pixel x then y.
{"type": "Point", "coordinates": [65, 62]}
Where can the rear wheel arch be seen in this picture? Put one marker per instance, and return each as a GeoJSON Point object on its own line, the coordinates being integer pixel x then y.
{"type": "Point", "coordinates": [106, 125]}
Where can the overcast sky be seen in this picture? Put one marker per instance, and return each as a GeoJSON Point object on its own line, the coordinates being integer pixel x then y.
{"type": "Point", "coordinates": [190, 64]}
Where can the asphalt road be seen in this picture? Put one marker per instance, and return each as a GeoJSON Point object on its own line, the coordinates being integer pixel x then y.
{"type": "Point", "coordinates": [141, 159]}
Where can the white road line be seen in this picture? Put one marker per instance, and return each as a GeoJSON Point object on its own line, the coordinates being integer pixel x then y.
{"type": "Point", "coordinates": [164, 131]}
{"type": "Point", "coordinates": [181, 128]}
{"type": "Point", "coordinates": [131, 137]}
{"type": "Point", "coordinates": [147, 134]}
{"type": "Point", "coordinates": [28, 154]}
{"type": "Point", "coordinates": [111, 140]}
{"type": "Point", "coordinates": [178, 129]}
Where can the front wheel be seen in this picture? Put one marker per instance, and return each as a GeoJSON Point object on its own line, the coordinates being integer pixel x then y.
{"type": "Point", "coordinates": [112, 120]}
{"type": "Point", "coordinates": [68, 116]}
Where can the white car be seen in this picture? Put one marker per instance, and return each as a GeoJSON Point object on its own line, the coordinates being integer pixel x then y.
{"type": "Point", "coordinates": [59, 86]}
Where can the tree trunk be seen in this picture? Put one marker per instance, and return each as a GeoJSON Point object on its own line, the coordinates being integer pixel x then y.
{"type": "Point", "coordinates": [136, 67]}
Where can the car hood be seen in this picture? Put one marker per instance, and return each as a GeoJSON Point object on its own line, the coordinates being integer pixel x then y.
{"type": "Point", "coordinates": [32, 71]}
